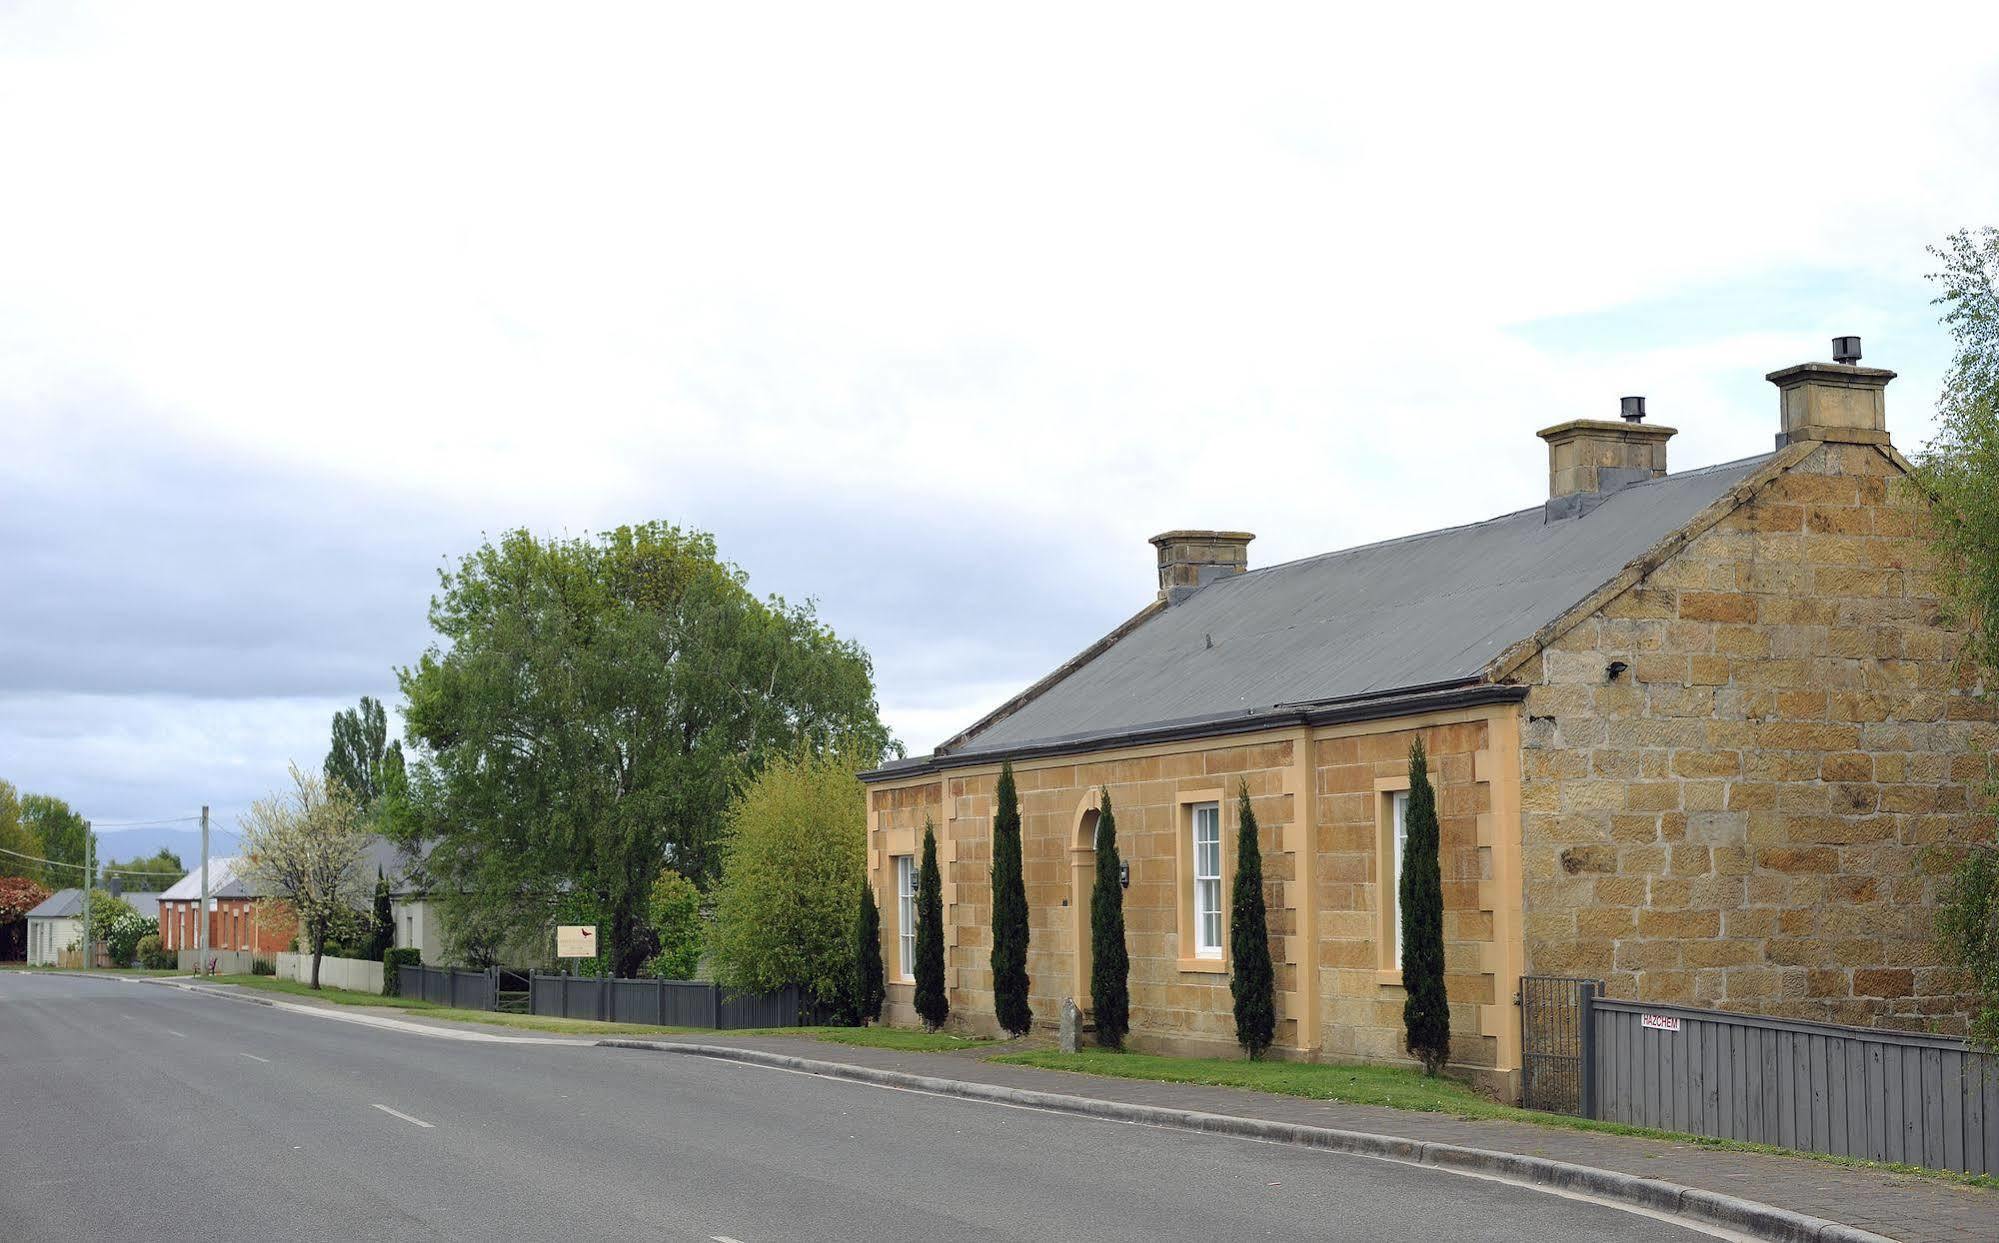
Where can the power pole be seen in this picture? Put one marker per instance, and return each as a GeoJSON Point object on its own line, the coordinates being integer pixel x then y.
{"type": "Point", "coordinates": [89, 872]}
{"type": "Point", "coordinates": [201, 932]}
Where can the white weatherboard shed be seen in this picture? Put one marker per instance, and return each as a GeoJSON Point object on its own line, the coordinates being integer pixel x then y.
{"type": "Point", "coordinates": [54, 926]}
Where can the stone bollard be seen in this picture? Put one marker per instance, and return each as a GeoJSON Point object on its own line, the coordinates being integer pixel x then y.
{"type": "Point", "coordinates": [1072, 1025]}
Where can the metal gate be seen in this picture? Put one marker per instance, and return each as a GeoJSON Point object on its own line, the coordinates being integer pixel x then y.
{"type": "Point", "coordinates": [1558, 1044]}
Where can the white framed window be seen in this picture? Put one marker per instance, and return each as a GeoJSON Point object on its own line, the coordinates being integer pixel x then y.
{"type": "Point", "coordinates": [905, 912]}
{"type": "Point", "coordinates": [1398, 827]}
{"type": "Point", "coordinates": [1208, 880]}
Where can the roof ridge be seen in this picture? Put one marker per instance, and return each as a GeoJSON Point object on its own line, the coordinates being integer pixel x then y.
{"type": "Point", "coordinates": [1709, 469]}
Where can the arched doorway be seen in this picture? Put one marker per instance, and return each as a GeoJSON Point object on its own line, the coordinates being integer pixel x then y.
{"type": "Point", "coordinates": [1082, 879]}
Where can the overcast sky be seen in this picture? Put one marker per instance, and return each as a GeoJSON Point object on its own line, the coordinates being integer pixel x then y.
{"type": "Point", "coordinates": [930, 318]}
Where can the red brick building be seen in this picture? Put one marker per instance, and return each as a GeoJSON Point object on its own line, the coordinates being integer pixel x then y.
{"type": "Point", "coordinates": [238, 917]}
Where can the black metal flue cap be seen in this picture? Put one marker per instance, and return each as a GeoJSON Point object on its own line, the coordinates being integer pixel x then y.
{"type": "Point", "coordinates": [1846, 349]}
{"type": "Point", "coordinates": [1633, 409]}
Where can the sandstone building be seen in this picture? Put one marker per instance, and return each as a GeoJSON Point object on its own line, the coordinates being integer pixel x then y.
{"type": "Point", "coordinates": [1691, 734]}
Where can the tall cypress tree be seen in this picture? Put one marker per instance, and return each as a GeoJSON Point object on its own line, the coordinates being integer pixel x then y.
{"type": "Point", "coordinates": [870, 984]}
{"type": "Point", "coordinates": [382, 926]}
{"type": "Point", "coordinates": [1110, 965]}
{"type": "Point", "coordinates": [1426, 1015]}
{"type": "Point", "coordinates": [1009, 911]}
{"type": "Point", "coordinates": [933, 1004]}
{"type": "Point", "coordinates": [1252, 980]}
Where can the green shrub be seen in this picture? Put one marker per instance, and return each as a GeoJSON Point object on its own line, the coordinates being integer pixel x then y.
{"type": "Point", "coordinates": [1252, 981]}
{"type": "Point", "coordinates": [791, 877]}
{"type": "Point", "coordinates": [263, 966]}
{"type": "Point", "coordinates": [675, 907]}
{"type": "Point", "coordinates": [933, 1004]}
{"type": "Point", "coordinates": [870, 982]}
{"type": "Point", "coordinates": [1110, 962]}
{"type": "Point", "coordinates": [152, 956]}
{"type": "Point", "coordinates": [1426, 1015]}
{"type": "Point", "coordinates": [392, 961]}
{"type": "Point", "coordinates": [123, 933]}
{"type": "Point", "coordinates": [1009, 953]}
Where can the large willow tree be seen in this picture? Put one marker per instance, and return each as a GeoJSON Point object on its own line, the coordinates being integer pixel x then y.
{"type": "Point", "coordinates": [588, 708]}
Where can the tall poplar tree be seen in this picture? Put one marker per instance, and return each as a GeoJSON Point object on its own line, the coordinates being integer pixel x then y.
{"type": "Point", "coordinates": [1009, 911]}
{"type": "Point", "coordinates": [870, 979]}
{"type": "Point", "coordinates": [933, 1004]}
{"type": "Point", "coordinates": [1252, 979]}
{"type": "Point", "coordinates": [1110, 964]}
{"type": "Point", "coordinates": [1426, 1015]}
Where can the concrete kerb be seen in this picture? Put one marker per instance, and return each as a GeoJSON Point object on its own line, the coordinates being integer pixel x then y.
{"type": "Point", "coordinates": [1761, 1221]}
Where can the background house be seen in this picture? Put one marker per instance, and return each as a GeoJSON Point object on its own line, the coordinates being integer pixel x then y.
{"type": "Point", "coordinates": [54, 926]}
{"type": "Point", "coordinates": [238, 918]}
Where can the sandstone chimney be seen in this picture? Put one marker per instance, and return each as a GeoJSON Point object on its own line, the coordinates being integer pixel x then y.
{"type": "Point", "coordinates": [1833, 401]}
{"type": "Point", "coordinates": [1190, 560]}
{"type": "Point", "coordinates": [1588, 459]}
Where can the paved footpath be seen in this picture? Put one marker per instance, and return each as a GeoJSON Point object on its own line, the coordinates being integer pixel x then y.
{"type": "Point", "coordinates": [1911, 1208]}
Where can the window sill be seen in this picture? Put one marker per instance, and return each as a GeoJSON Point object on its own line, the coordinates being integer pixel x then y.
{"type": "Point", "coordinates": [1389, 979]}
{"type": "Point", "coordinates": [1210, 966]}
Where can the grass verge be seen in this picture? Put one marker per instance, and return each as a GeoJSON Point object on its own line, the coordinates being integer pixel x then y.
{"type": "Point", "coordinates": [1404, 1089]}
{"type": "Point", "coordinates": [907, 1040]}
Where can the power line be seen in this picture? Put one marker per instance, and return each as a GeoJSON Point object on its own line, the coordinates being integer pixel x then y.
{"type": "Point", "coordinates": [141, 824]}
{"type": "Point", "coordinates": [58, 863]}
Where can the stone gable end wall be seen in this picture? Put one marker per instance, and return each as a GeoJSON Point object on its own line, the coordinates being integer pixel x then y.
{"type": "Point", "coordinates": [1740, 817]}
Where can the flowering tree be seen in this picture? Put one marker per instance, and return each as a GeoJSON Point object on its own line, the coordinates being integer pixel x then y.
{"type": "Point", "coordinates": [306, 844]}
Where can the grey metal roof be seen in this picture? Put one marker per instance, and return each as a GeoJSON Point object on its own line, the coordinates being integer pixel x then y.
{"type": "Point", "coordinates": [1425, 610]}
{"type": "Point", "coordinates": [62, 904]}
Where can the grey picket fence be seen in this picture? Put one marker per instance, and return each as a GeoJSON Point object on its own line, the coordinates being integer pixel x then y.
{"type": "Point", "coordinates": [664, 1003]}
{"type": "Point", "coordinates": [1822, 1087]}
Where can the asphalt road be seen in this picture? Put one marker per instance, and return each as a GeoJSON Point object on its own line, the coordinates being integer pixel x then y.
{"type": "Point", "coordinates": [135, 1111]}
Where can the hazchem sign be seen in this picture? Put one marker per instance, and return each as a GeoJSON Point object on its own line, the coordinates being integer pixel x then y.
{"type": "Point", "coordinates": [1659, 1022]}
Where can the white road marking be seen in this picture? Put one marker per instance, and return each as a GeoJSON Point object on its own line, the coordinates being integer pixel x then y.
{"type": "Point", "coordinates": [253, 1057]}
{"type": "Point", "coordinates": [171, 1032]}
{"type": "Point", "coordinates": [405, 1117]}
{"type": "Point", "coordinates": [723, 1238]}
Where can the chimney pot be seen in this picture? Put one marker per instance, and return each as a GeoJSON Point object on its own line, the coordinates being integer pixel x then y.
{"type": "Point", "coordinates": [1190, 560]}
{"type": "Point", "coordinates": [1633, 409]}
{"type": "Point", "coordinates": [1846, 350]}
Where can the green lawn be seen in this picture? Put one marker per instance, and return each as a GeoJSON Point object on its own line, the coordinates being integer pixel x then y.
{"type": "Point", "coordinates": [905, 1039]}
{"type": "Point", "coordinates": [1358, 1085]}
{"type": "Point", "coordinates": [1397, 1089]}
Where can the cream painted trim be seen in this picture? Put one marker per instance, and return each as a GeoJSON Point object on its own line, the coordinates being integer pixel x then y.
{"type": "Point", "coordinates": [1387, 898]}
{"type": "Point", "coordinates": [1183, 877]}
{"type": "Point", "coordinates": [1509, 661]}
{"type": "Point", "coordinates": [1207, 966]}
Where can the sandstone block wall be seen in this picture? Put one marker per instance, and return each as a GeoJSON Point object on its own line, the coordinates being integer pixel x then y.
{"type": "Point", "coordinates": [1740, 816]}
